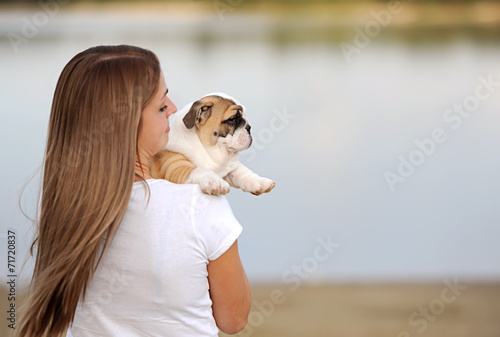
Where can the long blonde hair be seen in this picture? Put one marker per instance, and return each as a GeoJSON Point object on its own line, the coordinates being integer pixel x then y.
{"type": "Point", "coordinates": [88, 174]}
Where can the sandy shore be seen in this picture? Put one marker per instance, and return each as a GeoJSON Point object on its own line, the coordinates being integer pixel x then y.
{"type": "Point", "coordinates": [438, 310]}
{"type": "Point", "coordinates": [377, 311]}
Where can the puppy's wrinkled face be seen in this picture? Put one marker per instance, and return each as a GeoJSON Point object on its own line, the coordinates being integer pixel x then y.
{"type": "Point", "coordinates": [219, 121]}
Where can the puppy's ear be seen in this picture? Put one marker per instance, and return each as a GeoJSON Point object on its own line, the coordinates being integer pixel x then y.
{"type": "Point", "coordinates": [199, 112]}
{"type": "Point", "coordinates": [190, 117]}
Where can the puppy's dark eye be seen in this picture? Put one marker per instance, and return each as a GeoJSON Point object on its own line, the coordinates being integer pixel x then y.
{"type": "Point", "coordinates": [231, 121]}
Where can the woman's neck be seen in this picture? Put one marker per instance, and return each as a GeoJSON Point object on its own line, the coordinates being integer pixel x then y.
{"type": "Point", "coordinates": [143, 171]}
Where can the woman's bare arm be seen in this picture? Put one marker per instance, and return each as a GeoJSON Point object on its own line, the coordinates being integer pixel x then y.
{"type": "Point", "coordinates": [230, 291]}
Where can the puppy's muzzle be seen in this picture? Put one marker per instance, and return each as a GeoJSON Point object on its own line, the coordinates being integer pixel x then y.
{"type": "Point", "coordinates": [248, 127]}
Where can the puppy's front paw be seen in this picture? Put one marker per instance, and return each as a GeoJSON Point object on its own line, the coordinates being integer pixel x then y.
{"type": "Point", "coordinates": [258, 186]}
{"type": "Point", "coordinates": [214, 185]}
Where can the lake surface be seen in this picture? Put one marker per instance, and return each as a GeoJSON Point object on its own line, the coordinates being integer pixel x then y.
{"type": "Point", "coordinates": [389, 162]}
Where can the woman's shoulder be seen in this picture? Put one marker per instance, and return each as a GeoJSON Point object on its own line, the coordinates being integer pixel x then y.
{"type": "Point", "coordinates": [161, 190]}
{"type": "Point", "coordinates": [162, 187]}
{"type": "Point", "coordinates": [160, 184]}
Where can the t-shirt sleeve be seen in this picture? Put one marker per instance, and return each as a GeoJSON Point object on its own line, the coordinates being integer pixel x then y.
{"type": "Point", "coordinates": [215, 224]}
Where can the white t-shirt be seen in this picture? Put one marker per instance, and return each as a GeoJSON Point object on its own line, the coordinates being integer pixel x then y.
{"type": "Point", "coordinates": [152, 279]}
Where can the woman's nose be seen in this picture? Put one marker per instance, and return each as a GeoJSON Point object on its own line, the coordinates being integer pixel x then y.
{"type": "Point", "coordinates": [172, 108]}
{"type": "Point", "coordinates": [170, 112]}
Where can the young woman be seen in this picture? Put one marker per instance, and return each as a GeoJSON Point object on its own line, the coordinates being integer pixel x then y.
{"type": "Point", "coordinates": [117, 252]}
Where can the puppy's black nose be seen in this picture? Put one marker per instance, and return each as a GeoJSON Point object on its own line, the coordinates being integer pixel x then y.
{"type": "Point", "coordinates": [248, 127]}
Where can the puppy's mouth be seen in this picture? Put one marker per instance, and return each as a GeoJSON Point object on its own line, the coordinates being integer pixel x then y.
{"type": "Point", "coordinates": [245, 146]}
{"type": "Point", "coordinates": [242, 142]}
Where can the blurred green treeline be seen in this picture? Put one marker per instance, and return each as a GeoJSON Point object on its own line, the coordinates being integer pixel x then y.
{"type": "Point", "coordinates": [238, 2]}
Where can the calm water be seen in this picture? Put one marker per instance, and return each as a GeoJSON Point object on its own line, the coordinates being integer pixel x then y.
{"type": "Point", "coordinates": [328, 131]}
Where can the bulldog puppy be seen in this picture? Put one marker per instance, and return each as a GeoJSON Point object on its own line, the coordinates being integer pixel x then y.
{"type": "Point", "coordinates": [204, 143]}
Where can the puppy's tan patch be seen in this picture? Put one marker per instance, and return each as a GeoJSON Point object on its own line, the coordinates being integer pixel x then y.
{"type": "Point", "coordinates": [171, 166]}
